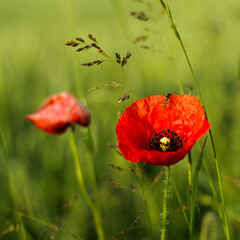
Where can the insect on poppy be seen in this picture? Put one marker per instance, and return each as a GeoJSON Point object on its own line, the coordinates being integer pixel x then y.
{"type": "Point", "coordinates": [59, 112]}
{"type": "Point", "coordinates": [161, 130]}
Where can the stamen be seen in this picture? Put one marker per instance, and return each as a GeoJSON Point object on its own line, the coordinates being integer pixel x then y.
{"type": "Point", "coordinates": [166, 141]}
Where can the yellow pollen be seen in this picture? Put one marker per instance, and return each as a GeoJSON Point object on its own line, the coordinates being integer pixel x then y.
{"type": "Point", "coordinates": [165, 144]}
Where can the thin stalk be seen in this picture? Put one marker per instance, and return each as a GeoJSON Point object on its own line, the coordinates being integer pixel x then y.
{"type": "Point", "coordinates": [226, 227]}
{"type": "Point", "coordinates": [122, 20]}
{"type": "Point", "coordinates": [139, 175]}
{"type": "Point", "coordinates": [165, 204]}
{"type": "Point", "coordinates": [211, 185]}
{"type": "Point", "coordinates": [180, 202]}
{"type": "Point", "coordinates": [82, 185]}
{"type": "Point", "coordinates": [166, 7]}
{"type": "Point", "coordinates": [120, 68]}
{"type": "Point", "coordinates": [90, 148]}
{"type": "Point", "coordinates": [43, 222]}
{"type": "Point", "coordinates": [190, 171]}
{"type": "Point", "coordinates": [194, 192]}
{"type": "Point", "coordinates": [128, 83]}
{"type": "Point", "coordinates": [173, 63]}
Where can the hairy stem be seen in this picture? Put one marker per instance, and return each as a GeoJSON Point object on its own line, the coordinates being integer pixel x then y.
{"type": "Point", "coordinates": [165, 204]}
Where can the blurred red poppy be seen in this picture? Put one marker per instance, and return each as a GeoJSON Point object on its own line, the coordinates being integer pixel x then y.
{"type": "Point", "coordinates": [161, 130]}
{"type": "Point", "coordinates": [59, 112]}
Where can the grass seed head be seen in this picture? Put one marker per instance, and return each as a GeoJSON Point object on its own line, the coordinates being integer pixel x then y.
{"type": "Point", "coordinates": [118, 58]}
{"type": "Point", "coordinates": [83, 49]}
{"type": "Point", "coordinates": [80, 39]}
{"type": "Point", "coordinates": [141, 38]}
{"type": "Point", "coordinates": [139, 15]}
{"type": "Point", "coordinates": [115, 167]}
{"type": "Point", "coordinates": [97, 62]}
{"type": "Point", "coordinates": [69, 42]}
{"type": "Point", "coordinates": [90, 36]}
{"type": "Point", "coordinates": [124, 97]}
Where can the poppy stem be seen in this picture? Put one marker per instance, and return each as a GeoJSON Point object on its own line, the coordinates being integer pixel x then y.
{"type": "Point", "coordinates": [164, 219]}
{"type": "Point", "coordinates": [139, 174]}
{"type": "Point", "coordinates": [174, 28]}
{"type": "Point", "coordinates": [82, 185]}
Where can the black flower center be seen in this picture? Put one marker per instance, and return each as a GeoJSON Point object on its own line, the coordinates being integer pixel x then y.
{"type": "Point", "coordinates": [165, 141]}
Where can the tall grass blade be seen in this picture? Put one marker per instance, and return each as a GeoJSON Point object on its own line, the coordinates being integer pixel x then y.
{"type": "Point", "coordinates": [43, 222]}
{"type": "Point", "coordinates": [82, 185]}
{"type": "Point", "coordinates": [139, 175]}
{"type": "Point", "coordinates": [194, 192]}
{"type": "Point", "coordinates": [167, 9]}
{"type": "Point", "coordinates": [210, 227]}
{"type": "Point", "coordinates": [180, 203]}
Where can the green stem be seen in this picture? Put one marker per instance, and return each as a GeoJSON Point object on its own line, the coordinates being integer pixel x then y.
{"type": "Point", "coordinates": [126, 80]}
{"type": "Point", "coordinates": [226, 227]}
{"type": "Point", "coordinates": [180, 202]}
{"type": "Point", "coordinates": [43, 222]}
{"type": "Point", "coordinates": [194, 192]}
{"type": "Point", "coordinates": [173, 63]}
{"type": "Point", "coordinates": [122, 20]}
{"type": "Point", "coordinates": [82, 185]}
{"type": "Point", "coordinates": [211, 185]}
{"type": "Point", "coordinates": [190, 171]}
{"type": "Point", "coordinates": [90, 148]}
{"type": "Point", "coordinates": [139, 174]}
{"type": "Point", "coordinates": [166, 7]}
{"type": "Point", "coordinates": [165, 204]}
{"type": "Point", "coordinates": [120, 68]}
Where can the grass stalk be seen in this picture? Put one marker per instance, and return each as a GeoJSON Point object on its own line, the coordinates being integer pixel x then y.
{"type": "Point", "coordinates": [43, 222]}
{"type": "Point", "coordinates": [194, 191]}
{"type": "Point", "coordinates": [82, 185]}
{"type": "Point", "coordinates": [139, 175]}
{"type": "Point", "coordinates": [165, 204]}
{"type": "Point", "coordinates": [173, 63]}
{"type": "Point", "coordinates": [190, 171]}
{"type": "Point", "coordinates": [211, 185]}
{"type": "Point", "coordinates": [180, 202]}
{"type": "Point", "coordinates": [166, 8]}
{"type": "Point", "coordinates": [120, 68]}
{"type": "Point", "coordinates": [90, 148]}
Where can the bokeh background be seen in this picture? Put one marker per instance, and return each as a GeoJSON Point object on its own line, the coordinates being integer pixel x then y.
{"type": "Point", "coordinates": [36, 169]}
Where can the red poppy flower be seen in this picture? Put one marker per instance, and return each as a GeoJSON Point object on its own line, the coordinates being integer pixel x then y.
{"type": "Point", "coordinates": [59, 112]}
{"type": "Point", "coordinates": [161, 130]}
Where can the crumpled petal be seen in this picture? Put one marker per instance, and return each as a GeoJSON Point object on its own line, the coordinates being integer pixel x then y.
{"type": "Point", "coordinates": [59, 112]}
{"type": "Point", "coordinates": [183, 114]}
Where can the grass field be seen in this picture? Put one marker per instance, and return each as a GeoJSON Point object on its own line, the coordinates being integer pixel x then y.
{"type": "Point", "coordinates": [37, 175]}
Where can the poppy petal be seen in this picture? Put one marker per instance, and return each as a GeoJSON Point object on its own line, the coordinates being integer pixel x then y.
{"type": "Point", "coordinates": [183, 115]}
{"type": "Point", "coordinates": [59, 112]}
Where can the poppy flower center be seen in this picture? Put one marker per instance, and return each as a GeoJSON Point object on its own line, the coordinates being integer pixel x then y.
{"type": "Point", "coordinates": [165, 141]}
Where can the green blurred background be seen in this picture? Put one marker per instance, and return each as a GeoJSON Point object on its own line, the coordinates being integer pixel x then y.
{"type": "Point", "coordinates": [36, 169]}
